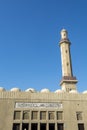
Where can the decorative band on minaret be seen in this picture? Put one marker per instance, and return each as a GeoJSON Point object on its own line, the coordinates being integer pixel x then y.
{"type": "Point", "coordinates": [68, 81]}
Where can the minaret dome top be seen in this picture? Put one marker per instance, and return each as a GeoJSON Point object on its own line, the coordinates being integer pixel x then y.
{"type": "Point", "coordinates": [64, 34]}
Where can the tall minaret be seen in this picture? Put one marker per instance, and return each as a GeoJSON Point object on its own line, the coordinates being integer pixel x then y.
{"type": "Point", "coordinates": [68, 81]}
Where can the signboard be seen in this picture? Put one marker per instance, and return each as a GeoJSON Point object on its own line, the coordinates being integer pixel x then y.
{"type": "Point", "coordinates": [38, 105]}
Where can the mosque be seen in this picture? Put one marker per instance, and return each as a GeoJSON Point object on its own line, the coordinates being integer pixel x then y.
{"type": "Point", "coordinates": [64, 109]}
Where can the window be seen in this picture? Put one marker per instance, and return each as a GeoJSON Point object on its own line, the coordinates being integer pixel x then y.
{"type": "Point", "coordinates": [79, 115]}
{"type": "Point", "coordinates": [51, 115]}
{"type": "Point", "coordinates": [25, 115]}
{"type": "Point", "coordinates": [16, 126]}
{"type": "Point", "coordinates": [42, 115]}
{"type": "Point", "coordinates": [34, 115]}
{"type": "Point", "coordinates": [59, 115]}
{"type": "Point", "coordinates": [17, 115]}
{"type": "Point", "coordinates": [67, 63]}
{"type": "Point", "coordinates": [66, 51]}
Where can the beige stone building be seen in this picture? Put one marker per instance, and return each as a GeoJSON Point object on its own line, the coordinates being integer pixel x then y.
{"type": "Point", "coordinates": [64, 109]}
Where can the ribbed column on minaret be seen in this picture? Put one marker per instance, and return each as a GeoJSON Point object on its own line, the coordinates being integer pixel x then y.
{"type": "Point", "coordinates": [68, 81]}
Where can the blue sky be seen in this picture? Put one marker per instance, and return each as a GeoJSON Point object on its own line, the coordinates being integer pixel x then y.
{"type": "Point", "coordinates": [29, 37]}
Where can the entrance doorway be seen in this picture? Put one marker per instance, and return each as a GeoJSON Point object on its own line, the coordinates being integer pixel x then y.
{"type": "Point", "coordinates": [43, 126]}
{"type": "Point", "coordinates": [60, 126]}
{"type": "Point", "coordinates": [34, 126]}
{"type": "Point", "coordinates": [16, 126]}
{"type": "Point", "coordinates": [80, 126]}
{"type": "Point", "coordinates": [51, 126]}
{"type": "Point", "coordinates": [25, 126]}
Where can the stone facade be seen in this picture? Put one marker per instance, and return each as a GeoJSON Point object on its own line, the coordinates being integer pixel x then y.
{"type": "Point", "coordinates": [72, 109]}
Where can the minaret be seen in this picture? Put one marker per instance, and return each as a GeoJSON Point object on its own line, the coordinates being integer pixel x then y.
{"type": "Point", "coordinates": [68, 81]}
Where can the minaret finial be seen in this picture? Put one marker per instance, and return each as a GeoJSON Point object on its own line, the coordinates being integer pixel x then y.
{"type": "Point", "coordinates": [64, 34]}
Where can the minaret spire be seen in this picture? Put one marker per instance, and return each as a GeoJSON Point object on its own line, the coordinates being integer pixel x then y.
{"type": "Point", "coordinates": [68, 82]}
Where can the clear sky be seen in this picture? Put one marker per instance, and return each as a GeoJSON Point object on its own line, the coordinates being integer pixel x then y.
{"type": "Point", "coordinates": [29, 42]}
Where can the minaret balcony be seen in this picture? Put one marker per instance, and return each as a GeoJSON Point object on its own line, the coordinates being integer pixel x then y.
{"type": "Point", "coordinates": [68, 79]}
